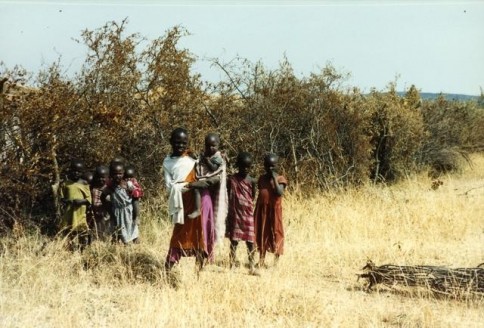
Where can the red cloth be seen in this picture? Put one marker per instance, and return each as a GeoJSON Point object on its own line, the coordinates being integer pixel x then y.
{"type": "Point", "coordinates": [240, 219]}
{"type": "Point", "coordinates": [269, 228]}
{"type": "Point", "coordinates": [98, 210]}
{"type": "Point", "coordinates": [137, 192]}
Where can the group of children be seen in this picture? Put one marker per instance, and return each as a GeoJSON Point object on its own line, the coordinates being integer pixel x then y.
{"type": "Point", "coordinates": [255, 221]}
{"type": "Point", "coordinates": [103, 204]}
{"type": "Point", "coordinates": [263, 225]}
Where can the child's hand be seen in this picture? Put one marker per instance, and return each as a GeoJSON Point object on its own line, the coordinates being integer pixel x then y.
{"type": "Point", "coordinates": [206, 159]}
{"type": "Point", "coordinates": [199, 184]}
{"type": "Point", "coordinates": [65, 201]}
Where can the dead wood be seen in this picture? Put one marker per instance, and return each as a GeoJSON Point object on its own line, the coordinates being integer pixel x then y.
{"type": "Point", "coordinates": [451, 281]}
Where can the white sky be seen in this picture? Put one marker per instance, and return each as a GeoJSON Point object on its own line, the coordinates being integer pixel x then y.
{"type": "Point", "coordinates": [436, 45]}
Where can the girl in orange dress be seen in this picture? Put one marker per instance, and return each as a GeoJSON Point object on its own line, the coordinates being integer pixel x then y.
{"type": "Point", "coordinates": [179, 171]}
{"type": "Point", "coordinates": [269, 230]}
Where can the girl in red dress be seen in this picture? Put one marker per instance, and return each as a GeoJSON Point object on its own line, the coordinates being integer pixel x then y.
{"type": "Point", "coordinates": [269, 229]}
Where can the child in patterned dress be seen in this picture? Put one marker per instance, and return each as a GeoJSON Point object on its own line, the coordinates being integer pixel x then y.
{"type": "Point", "coordinates": [136, 191]}
{"type": "Point", "coordinates": [136, 194]}
{"type": "Point", "coordinates": [100, 222]}
{"type": "Point", "coordinates": [119, 192]}
{"type": "Point", "coordinates": [240, 220]}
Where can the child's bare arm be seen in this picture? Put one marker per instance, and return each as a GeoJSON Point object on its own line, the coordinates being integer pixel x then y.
{"type": "Point", "coordinates": [104, 196]}
{"type": "Point", "coordinates": [212, 165]}
{"type": "Point", "coordinates": [228, 186]}
{"type": "Point", "coordinates": [202, 184]}
{"type": "Point", "coordinates": [254, 188]}
{"type": "Point", "coordinates": [136, 208]}
{"type": "Point", "coordinates": [279, 187]}
{"type": "Point", "coordinates": [80, 202]}
{"type": "Point", "coordinates": [75, 202]}
{"type": "Point", "coordinates": [107, 202]}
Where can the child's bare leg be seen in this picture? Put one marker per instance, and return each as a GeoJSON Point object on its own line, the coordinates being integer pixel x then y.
{"type": "Point", "coordinates": [198, 201]}
{"type": "Point", "coordinates": [233, 252]}
{"type": "Point", "coordinates": [276, 259]}
{"type": "Point", "coordinates": [199, 260]}
{"type": "Point", "coordinates": [262, 259]}
{"type": "Point", "coordinates": [82, 240]}
{"type": "Point", "coordinates": [136, 216]}
{"type": "Point", "coordinates": [171, 276]}
{"type": "Point", "coordinates": [135, 210]}
{"type": "Point", "coordinates": [250, 252]}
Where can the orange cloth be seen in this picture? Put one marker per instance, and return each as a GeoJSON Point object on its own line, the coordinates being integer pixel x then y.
{"type": "Point", "coordinates": [188, 236]}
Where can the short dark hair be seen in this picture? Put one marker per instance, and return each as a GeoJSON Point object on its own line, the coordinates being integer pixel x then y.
{"type": "Point", "coordinates": [212, 135]}
{"type": "Point", "coordinates": [115, 166]}
{"type": "Point", "coordinates": [177, 132]}
{"type": "Point", "coordinates": [101, 170]}
{"type": "Point", "coordinates": [269, 156]}
{"type": "Point", "coordinates": [241, 157]}
{"type": "Point", "coordinates": [76, 162]}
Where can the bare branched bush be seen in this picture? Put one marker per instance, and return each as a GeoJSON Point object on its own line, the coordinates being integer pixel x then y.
{"type": "Point", "coordinates": [131, 92]}
{"type": "Point", "coordinates": [397, 135]}
{"type": "Point", "coordinates": [123, 102]}
{"type": "Point", "coordinates": [453, 129]}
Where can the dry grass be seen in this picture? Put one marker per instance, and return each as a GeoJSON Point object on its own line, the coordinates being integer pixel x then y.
{"type": "Point", "coordinates": [329, 239]}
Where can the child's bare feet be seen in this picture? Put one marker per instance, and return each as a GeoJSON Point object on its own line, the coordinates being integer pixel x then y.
{"type": "Point", "coordinates": [194, 214]}
{"type": "Point", "coordinates": [234, 264]}
{"type": "Point", "coordinates": [276, 260]}
{"type": "Point", "coordinates": [262, 265]}
{"type": "Point", "coordinates": [254, 272]}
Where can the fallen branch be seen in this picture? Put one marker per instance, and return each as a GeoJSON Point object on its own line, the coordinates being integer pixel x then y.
{"type": "Point", "coordinates": [435, 278]}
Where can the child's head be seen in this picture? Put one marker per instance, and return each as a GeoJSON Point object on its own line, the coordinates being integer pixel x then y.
{"type": "Point", "coordinates": [179, 141]}
{"type": "Point", "coordinates": [116, 171]}
{"type": "Point", "coordinates": [129, 172]}
{"type": "Point", "coordinates": [212, 142]}
{"type": "Point", "coordinates": [101, 174]}
{"type": "Point", "coordinates": [88, 176]}
{"type": "Point", "coordinates": [76, 169]}
{"type": "Point", "coordinates": [116, 160]}
{"type": "Point", "coordinates": [270, 162]}
{"type": "Point", "coordinates": [244, 162]}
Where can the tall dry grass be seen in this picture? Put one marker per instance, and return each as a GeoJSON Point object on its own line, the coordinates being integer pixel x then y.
{"type": "Point", "coordinates": [329, 239]}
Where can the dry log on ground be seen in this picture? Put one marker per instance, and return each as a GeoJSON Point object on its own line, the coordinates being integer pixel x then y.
{"type": "Point", "coordinates": [435, 278]}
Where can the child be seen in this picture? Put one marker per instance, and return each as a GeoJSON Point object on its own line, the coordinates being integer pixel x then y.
{"type": "Point", "coordinates": [87, 176]}
{"type": "Point", "coordinates": [119, 192]}
{"type": "Point", "coordinates": [75, 194]}
{"type": "Point", "coordinates": [187, 238]}
{"type": "Point", "coordinates": [269, 229]}
{"type": "Point", "coordinates": [240, 220]}
{"type": "Point", "coordinates": [210, 164]}
{"type": "Point", "coordinates": [136, 191]}
{"type": "Point", "coordinates": [100, 221]}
